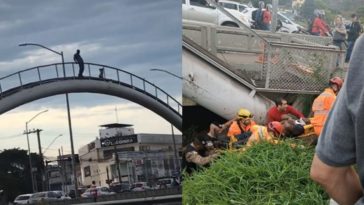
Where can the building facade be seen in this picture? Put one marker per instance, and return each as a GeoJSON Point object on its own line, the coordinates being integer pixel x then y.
{"type": "Point", "coordinates": [119, 155]}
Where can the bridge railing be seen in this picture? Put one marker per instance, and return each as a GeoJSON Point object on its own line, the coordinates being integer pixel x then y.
{"type": "Point", "coordinates": [283, 63]}
{"type": "Point", "coordinates": [56, 72]}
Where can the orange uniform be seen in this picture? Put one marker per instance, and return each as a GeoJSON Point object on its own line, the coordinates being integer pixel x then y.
{"type": "Point", "coordinates": [235, 130]}
{"type": "Point", "coordinates": [259, 133]}
{"type": "Point", "coordinates": [321, 107]}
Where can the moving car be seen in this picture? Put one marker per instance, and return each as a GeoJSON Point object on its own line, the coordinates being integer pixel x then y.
{"type": "Point", "coordinates": [47, 196]}
{"type": "Point", "coordinates": [101, 191]}
{"type": "Point", "coordinates": [141, 186]}
{"type": "Point", "coordinates": [201, 11]}
{"type": "Point", "coordinates": [120, 187]}
{"type": "Point", "coordinates": [22, 199]}
{"type": "Point", "coordinates": [167, 182]}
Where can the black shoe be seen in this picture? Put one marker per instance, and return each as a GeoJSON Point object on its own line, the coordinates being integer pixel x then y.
{"type": "Point", "coordinates": [80, 76]}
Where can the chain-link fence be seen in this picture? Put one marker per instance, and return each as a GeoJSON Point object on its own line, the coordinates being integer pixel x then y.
{"type": "Point", "coordinates": [273, 61]}
{"type": "Point", "coordinates": [298, 67]}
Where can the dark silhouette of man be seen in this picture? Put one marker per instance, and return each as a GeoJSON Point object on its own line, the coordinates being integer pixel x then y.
{"type": "Point", "coordinates": [77, 58]}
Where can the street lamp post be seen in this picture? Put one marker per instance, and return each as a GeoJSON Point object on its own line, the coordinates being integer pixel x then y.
{"type": "Point", "coordinates": [60, 135]}
{"type": "Point", "coordinates": [34, 188]}
{"type": "Point", "coordinates": [68, 112]}
{"type": "Point", "coordinates": [176, 160]}
{"type": "Point", "coordinates": [165, 71]}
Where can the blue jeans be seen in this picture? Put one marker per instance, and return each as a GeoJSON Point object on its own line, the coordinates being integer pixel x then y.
{"type": "Point", "coordinates": [349, 50]}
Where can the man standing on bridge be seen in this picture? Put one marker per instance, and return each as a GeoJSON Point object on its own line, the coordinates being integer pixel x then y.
{"type": "Point", "coordinates": [77, 58]}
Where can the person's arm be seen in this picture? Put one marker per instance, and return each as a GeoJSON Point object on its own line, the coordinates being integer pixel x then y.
{"type": "Point", "coordinates": [322, 26]}
{"type": "Point", "coordinates": [295, 112]}
{"type": "Point", "coordinates": [198, 159]}
{"type": "Point", "coordinates": [341, 183]}
{"type": "Point", "coordinates": [75, 58]}
{"type": "Point", "coordinates": [227, 124]}
{"type": "Point", "coordinates": [341, 29]}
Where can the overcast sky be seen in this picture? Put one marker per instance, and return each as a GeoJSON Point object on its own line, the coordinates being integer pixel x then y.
{"type": "Point", "coordinates": [133, 35]}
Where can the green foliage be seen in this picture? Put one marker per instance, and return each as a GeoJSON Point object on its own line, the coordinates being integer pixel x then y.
{"type": "Point", "coordinates": [360, 12]}
{"type": "Point", "coordinates": [264, 174]}
{"type": "Point", "coordinates": [14, 172]}
{"type": "Point", "coordinates": [307, 8]}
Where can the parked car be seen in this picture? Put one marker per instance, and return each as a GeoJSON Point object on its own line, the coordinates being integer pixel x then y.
{"type": "Point", "coordinates": [235, 9]}
{"type": "Point", "coordinates": [167, 182]}
{"type": "Point", "coordinates": [22, 199]}
{"type": "Point", "coordinates": [47, 196]}
{"type": "Point", "coordinates": [120, 187]}
{"type": "Point", "coordinates": [72, 194]}
{"type": "Point", "coordinates": [141, 186]}
{"type": "Point", "coordinates": [202, 11]}
{"type": "Point", "coordinates": [233, 5]}
{"type": "Point", "coordinates": [101, 191]}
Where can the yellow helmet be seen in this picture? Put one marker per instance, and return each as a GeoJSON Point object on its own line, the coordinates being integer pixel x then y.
{"type": "Point", "coordinates": [244, 113]}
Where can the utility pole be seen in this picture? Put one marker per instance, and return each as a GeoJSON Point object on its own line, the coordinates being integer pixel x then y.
{"type": "Point", "coordinates": [41, 157]}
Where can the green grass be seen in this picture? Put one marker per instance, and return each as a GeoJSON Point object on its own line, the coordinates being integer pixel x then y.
{"type": "Point", "coordinates": [264, 174]}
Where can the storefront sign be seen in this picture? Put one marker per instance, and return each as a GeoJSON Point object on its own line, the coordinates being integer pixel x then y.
{"type": "Point", "coordinates": [111, 141]}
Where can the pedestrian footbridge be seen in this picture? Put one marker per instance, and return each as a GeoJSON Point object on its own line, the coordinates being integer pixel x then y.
{"type": "Point", "coordinates": [48, 80]}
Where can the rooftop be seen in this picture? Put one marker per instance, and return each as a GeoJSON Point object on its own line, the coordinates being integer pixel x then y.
{"type": "Point", "coordinates": [114, 125]}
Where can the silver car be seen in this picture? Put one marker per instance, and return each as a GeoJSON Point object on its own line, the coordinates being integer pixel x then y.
{"type": "Point", "coordinates": [46, 196]}
{"type": "Point", "coordinates": [101, 191]}
{"type": "Point", "coordinates": [22, 199]}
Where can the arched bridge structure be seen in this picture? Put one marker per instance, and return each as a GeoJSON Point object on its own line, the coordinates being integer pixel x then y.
{"type": "Point", "coordinates": [47, 80]}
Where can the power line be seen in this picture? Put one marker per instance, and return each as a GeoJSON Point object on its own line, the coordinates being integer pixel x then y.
{"type": "Point", "coordinates": [12, 136]}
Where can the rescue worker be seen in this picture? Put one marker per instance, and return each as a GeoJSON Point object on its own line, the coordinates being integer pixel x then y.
{"type": "Point", "coordinates": [239, 129]}
{"type": "Point", "coordinates": [215, 133]}
{"type": "Point", "coordinates": [192, 158]}
{"type": "Point", "coordinates": [282, 109]}
{"type": "Point", "coordinates": [265, 133]}
{"type": "Point", "coordinates": [323, 103]}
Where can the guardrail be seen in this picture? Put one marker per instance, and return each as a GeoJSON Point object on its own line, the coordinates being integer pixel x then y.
{"type": "Point", "coordinates": [129, 197]}
{"type": "Point", "coordinates": [56, 72]}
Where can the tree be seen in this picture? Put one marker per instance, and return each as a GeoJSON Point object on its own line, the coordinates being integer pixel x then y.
{"type": "Point", "coordinates": [15, 173]}
{"type": "Point", "coordinates": [307, 9]}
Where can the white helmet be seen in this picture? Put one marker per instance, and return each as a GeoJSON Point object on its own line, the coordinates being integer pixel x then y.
{"type": "Point", "coordinates": [261, 4]}
{"type": "Point", "coordinates": [269, 6]}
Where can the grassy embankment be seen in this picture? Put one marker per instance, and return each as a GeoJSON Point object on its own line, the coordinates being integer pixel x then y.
{"type": "Point", "coordinates": [264, 174]}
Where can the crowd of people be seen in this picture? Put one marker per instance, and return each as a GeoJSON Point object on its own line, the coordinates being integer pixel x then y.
{"type": "Point", "coordinates": [342, 34]}
{"type": "Point", "coordinates": [282, 121]}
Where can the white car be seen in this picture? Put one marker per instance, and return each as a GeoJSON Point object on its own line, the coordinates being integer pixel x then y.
{"type": "Point", "coordinates": [288, 26]}
{"type": "Point", "coordinates": [47, 196]}
{"type": "Point", "coordinates": [233, 5]}
{"type": "Point", "coordinates": [140, 186]}
{"type": "Point", "coordinates": [235, 9]}
{"type": "Point", "coordinates": [101, 191]}
{"type": "Point", "coordinates": [202, 11]}
{"type": "Point", "coordinates": [22, 199]}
